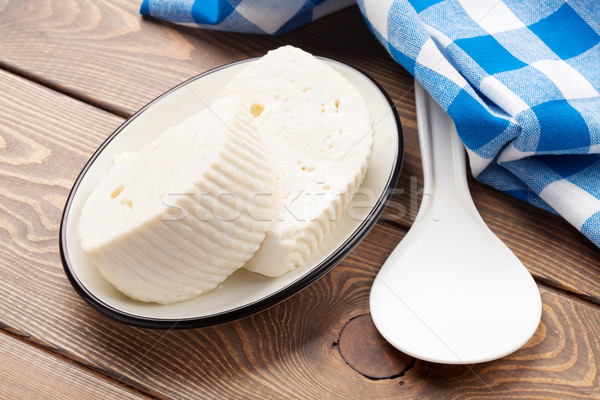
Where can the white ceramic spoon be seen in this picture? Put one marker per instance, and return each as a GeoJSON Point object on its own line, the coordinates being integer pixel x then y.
{"type": "Point", "coordinates": [452, 292]}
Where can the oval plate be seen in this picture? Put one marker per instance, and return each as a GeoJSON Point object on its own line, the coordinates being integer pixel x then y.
{"type": "Point", "coordinates": [243, 293]}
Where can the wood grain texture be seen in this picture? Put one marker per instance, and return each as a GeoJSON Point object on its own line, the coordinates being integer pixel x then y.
{"type": "Point", "coordinates": [91, 50]}
{"type": "Point", "coordinates": [565, 344]}
{"type": "Point", "coordinates": [368, 353]}
{"type": "Point", "coordinates": [105, 53]}
{"type": "Point", "coordinates": [287, 351]}
{"type": "Point", "coordinates": [30, 373]}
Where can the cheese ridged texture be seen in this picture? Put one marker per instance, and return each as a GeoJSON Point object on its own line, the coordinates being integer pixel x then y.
{"type": "Point", "coordinates": [318, 135]}
{"type": "Point", "coordinates": [175, 219]}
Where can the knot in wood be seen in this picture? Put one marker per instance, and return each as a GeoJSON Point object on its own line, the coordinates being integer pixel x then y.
{"type": "Point", "coordinates": [367, 352]}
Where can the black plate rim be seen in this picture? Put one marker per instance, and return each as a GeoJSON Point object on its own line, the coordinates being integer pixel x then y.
{"type": "Point", "coordinates": [259, 305]}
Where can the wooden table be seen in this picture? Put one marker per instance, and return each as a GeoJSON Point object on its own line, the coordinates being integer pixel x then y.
{"type": "Point", "coordinates": [71, 72]}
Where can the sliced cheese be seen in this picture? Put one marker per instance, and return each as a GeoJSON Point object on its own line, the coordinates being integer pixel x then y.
{"type": "Point", "coordinates": [175, 219]}
{"type": "Point", "coordinates": [317, 134]}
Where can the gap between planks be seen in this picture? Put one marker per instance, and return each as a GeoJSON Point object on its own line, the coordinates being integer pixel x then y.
{"type": "Point", "coordinates": [64, 91]}
{"type": "Point", "coordinates": [71, 359]}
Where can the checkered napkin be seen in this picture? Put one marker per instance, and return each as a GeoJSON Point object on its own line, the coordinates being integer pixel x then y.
{"type": "Point", "coordinates": [249, 16]}
{"type": "Point", "coordinates": [520, 79]}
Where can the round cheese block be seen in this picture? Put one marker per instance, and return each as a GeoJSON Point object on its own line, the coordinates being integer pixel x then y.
{"type": "Point", "coordinates": [175, 219]}
{"type": "Point", "coordinates": [317, 133]}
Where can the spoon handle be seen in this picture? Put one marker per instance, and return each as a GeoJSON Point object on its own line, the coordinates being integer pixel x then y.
{"type": "Point", "coordinates": [443, 158]}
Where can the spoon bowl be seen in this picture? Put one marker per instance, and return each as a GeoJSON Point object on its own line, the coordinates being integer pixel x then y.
{"type": "Point", "coordinates": [452, 292]}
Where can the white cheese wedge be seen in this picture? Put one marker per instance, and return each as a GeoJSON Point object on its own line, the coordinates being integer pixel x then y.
{"type": "Point", "coordinates": [175, 219]}
{"type": "Point", "coordinates": [318, 135]}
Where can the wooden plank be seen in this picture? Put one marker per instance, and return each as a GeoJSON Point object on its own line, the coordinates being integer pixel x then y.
{"type": "Point", "coordinates": [559, 362]}
{"type": "Point", "coordinates": [292, 350]}
{"type": "Point", "coordinates": [106, 53]}
{"type": "Point", "coordinates": [30, 373]}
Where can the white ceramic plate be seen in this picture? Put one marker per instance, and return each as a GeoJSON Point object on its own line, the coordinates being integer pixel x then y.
{"type": "Point", "coordinates": [243, 293]}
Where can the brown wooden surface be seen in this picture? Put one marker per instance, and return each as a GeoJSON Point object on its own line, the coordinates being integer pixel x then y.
{"type": "Point", "coordinates": [27, 372]}
{"type": "Point", "coordinates": [71, 71]}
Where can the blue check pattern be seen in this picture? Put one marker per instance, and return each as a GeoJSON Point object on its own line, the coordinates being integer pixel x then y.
{"type": "Point", "coordinates": [520, 79]}
{"type": "Point", "coordinates": [250, 16]}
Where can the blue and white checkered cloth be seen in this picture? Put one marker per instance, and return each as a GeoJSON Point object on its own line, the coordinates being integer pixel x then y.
{"type": "Point", "coordinates": [520, 79]}
{"type": "Point", "coordinates": [250, 16]}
